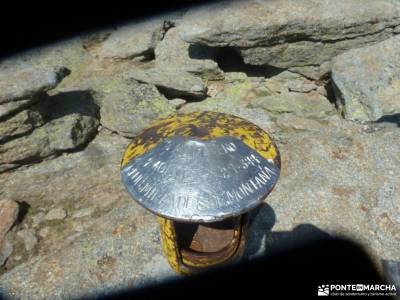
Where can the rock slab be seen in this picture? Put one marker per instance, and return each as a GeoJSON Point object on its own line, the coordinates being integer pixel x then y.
{"type": "Point", "coordinates": [274, 33]}
{"type": "Point", "coordinates": [367, 81]}
{"type": "Point", "coordinates": [26, 82]}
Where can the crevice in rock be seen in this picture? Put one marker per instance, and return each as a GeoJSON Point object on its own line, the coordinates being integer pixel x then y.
{"type": "Point", "coordinates": [230, 60]}
{"type": "Point", "coordinates": [114, 132]}
{"type": "Point", "coordinates": [23, 211]}
{"type": "Point", "coordinates": [326, 82]}
{"type": "Point", "coordinates": [334, 94]}
{"type": "Point", "coordinates": [146, 56]}
{"type": "Point", "coordinates": [304, 75]}
{"type": "Point", "coordinates": [172, 94]}
{"type": "Point", "coordinates": [198, 51]}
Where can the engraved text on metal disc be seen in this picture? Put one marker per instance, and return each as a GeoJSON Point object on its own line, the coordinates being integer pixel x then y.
{"type": "Point", "coordinates": [204, 181]}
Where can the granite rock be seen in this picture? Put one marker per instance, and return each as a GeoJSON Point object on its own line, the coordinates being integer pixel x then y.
{"type": "Point", "coordinates": [24, 83]}
{"type": "Point", "coordinates": [8, 215]}
{"type": "Point", "coordinates": [72, 122]}
{"type": "Point", "coordinates": [311, 104]}
{"type": "Point", "coordinates": [367, 81]}
{"type": "Point", "coordinates": [128, 106]}
{"type": "Point", "coordinates": [165, 79]}
{"type": "Point", "coordinates": [29, 238]}
{"type": "Point", "coordinates": [173, 51]}
{"type": "Point", "coordinates": [6, 249]}
{"type": "Point", "coordinates": [23, 122]}
{"type": "Point", "coordinates": [10, 108]}
{"type": "Point", "coordinates": [56, 214]}
{"type": "Point", "coordinates": [274, 33]}
{"type": "Point", "coordinates": [135, 40]}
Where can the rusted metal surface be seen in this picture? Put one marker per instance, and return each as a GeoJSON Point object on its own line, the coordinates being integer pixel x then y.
{"type": "Point", "coordinates": [210, 244]}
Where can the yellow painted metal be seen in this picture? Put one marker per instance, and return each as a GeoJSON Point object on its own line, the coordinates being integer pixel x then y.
{"type": "Point", "coordinates": [170, 246]}
{"type": "Point", "coordinates": [205, 126]}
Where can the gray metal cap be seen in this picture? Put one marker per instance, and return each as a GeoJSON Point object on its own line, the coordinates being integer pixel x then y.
{"type": "Point", "coordinates": [193, 180]}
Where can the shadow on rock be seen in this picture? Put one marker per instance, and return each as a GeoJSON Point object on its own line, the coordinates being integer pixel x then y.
{"type": "Point", "coordinates": [72, 102]}
{"type": "Point", "coordinates": [261, 221]}
{"type": "Point", "coordinates": [395, 119]}
{"type": "Point", "coordinates": [392, 271]}
{"type": "Point", "coordinates": [261, 239]}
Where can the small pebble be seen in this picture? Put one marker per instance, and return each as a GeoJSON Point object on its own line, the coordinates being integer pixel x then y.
{"type": "Point", "coordinates": [56, 214]}
{"type": "Point", "coordinates": [44, 232]}
{"type": "Point", "coordinates": [84, 212]}
{"type": "Point", "coordinates": [177, 102]}
{"type": "Point", "coordinates": [29, 238]}
{"type": "Point", "coordinates": [17, 258]}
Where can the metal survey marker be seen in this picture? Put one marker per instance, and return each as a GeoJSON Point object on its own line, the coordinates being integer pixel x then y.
{"type": "Point", "coordinates": [201, 173]}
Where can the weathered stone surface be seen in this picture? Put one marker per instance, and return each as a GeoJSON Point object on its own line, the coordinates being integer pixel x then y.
{"type": "Point", "coordinates": [71, 132]}
{"type": "Point", "coordinates": [290, 82]}
{"type": "Point", "coordinates": [22, 123]}
{"type": "Point", "coordinates": [44, 232]}
{"type": "Point", "coordinates": [274, 33]}
{"type": "Point", "coordinates": [31, 148]}
{"type": "Point", "coordinates": [25, 82]}
{"type": "Point", "coordinates": [91, 254]}
{"type": "Point", "coordinates": [234, 98]}
{"type": "Point", "coordinates": [37, 219]}
{"type": "Point", "coordinates": [332, 178]}
{"type": "Point", "coordinates": [84, 212]}
{"type": "Point", "coordinates": [62, 183]}
{"type": "Point", "coordinates": [128, 106]}
{"type": "Point", "coordinates": [275, 95]}
{"type": "Point", "coordinates": [177, 102]}
{"type": "Point", "coordinates": [10, 108]}
{"type": "Point", "coordinates": [101, 259]}
{"type": "Point", "coordinates": [173, 51]}
{"type": "Point", "coordinates": [166, 81]}
{"type": "Point", "coordinates": [8, 215]}
{"type": "Point", "coordinates": [72, 123]}
{"type": "Point", "coordinates": [367, 81]}
{"type": "Point", "coordinates": [6, 249]}
{"type": "Point", "coordinates": [134, 40]}
{"type": "Point", "coordinates": [288, 120]}
{"type": "Point", "coordinates": [311, 104]}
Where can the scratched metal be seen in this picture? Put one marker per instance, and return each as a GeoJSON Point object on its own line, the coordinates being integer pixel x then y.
{"type": "Point", "coordinates": [200, 181]}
